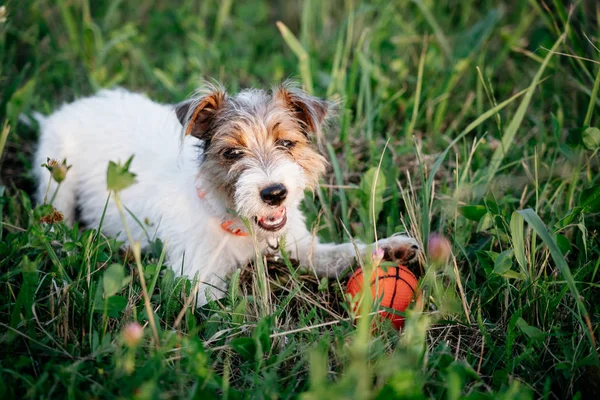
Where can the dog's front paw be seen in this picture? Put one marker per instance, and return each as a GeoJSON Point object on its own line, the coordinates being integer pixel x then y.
{"type": "Point", "coordinates": [400, 249]}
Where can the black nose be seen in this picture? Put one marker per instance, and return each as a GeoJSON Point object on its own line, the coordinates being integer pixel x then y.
{"type": "Point", "coordinates": [274, 194]}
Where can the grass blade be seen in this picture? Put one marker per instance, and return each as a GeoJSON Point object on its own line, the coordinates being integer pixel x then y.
{"type": "Point", "coordinates": [515, 123]}
{"type": "Point", "coordinates": [223, 14]}
{"type": "Point", "coordinates": [415, 113]}
{"type": "Point", "coordinates": [594, 95]}
{"type": "Point", "coordinates": [538, 226]}
{"type": "Point", "coordinates": [439, 34]}
{"type": "Point", "coordinates": [3, 137]}
{"type": "Point", "coordinates": [300, 52]}
{"type": "Point", "coordinates": [518, 241]}
{"type": "Point", "coordinates": [340, 181]}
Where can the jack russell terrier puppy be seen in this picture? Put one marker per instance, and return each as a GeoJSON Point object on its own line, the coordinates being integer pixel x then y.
{"type": "Point", "coordinates": [217, 172]}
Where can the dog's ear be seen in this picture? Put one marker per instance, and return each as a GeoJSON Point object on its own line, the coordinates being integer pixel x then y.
{"type": "Point", "coordinates": [310, 111]}
{"type": "Point", "coordinates": [196, 115]}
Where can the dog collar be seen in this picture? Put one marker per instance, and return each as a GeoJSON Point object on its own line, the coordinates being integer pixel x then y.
{"type": "Point", "coordinates": [227, 226]}
{"type": "Point", "coordinates": [231, 225]}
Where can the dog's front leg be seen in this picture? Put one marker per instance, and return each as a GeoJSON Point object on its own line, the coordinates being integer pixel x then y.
{"type": "Point", "coordinates": [330, 259]}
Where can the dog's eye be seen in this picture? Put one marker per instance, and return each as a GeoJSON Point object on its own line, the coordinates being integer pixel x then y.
{"type": "Point", "coordinates": [233, 153]}
{"type": "Point", "coordinates": [288, 144]}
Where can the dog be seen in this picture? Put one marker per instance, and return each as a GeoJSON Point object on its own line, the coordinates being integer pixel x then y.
{"type": "Point", "coordinates": [220, 177]}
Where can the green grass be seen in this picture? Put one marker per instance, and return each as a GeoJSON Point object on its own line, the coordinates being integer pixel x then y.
{"type": "Point", "coordinates": [476, 120]}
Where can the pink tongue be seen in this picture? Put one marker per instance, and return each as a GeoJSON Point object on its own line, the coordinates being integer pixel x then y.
{"type": "Point", "coordinates": [274, 215]}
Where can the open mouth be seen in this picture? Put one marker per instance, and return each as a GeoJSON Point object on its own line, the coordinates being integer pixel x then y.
{"type": "Point", "coordinates": [274, 221]}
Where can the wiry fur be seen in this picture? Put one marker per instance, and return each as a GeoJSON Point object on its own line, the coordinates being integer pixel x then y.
{"type": "Point", "coordinates": [258, 125]}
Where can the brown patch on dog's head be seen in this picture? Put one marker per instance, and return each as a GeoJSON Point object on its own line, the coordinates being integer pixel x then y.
{"type": "Point", "coordinates": [308, 110]}
{"type": "Point", "coordinates": [197, 114]}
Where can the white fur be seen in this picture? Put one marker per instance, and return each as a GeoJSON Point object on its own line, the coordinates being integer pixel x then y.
{"type": "Point", "coordinates": [112, 126]}
{"type": "Point", "coordinates": [288, 173]}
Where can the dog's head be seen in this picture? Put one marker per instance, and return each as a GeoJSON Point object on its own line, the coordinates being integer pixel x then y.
{"type": "Point", "coordinates": [258, 152]}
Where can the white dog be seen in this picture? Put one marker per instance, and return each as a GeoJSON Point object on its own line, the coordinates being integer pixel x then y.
{"type": "Point", "coordinates": [233, 182]}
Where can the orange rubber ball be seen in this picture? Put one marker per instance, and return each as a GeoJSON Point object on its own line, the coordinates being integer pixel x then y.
{"type": "Point", "coordinates": [397, 287]}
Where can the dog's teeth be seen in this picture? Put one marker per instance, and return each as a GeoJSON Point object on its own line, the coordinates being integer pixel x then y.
{"type": "Point", "coordinates": [275, 220]}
